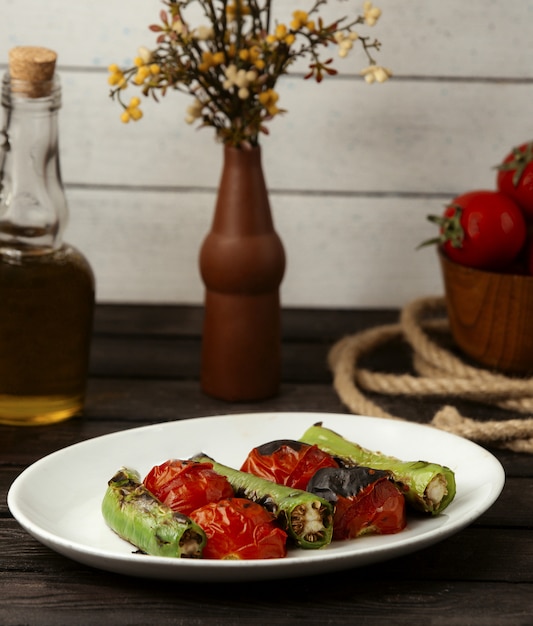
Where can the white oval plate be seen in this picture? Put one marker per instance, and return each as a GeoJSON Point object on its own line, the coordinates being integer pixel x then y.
{"type": "Point", "coordinates": [57, 499]}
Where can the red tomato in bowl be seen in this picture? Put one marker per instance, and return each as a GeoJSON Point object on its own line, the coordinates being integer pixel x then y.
{"type": "Point", "coordinates": [237, 528]}
{"type": "Point", "coordinates": [515, 177]}
{"type": "Point", "coordinates": [187, 485]}
{"type": "Point", "coordinates": [482, 229]}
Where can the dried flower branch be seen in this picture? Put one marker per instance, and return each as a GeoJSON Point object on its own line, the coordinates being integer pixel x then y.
{"type": "Point", "coordinates": [231, 65]}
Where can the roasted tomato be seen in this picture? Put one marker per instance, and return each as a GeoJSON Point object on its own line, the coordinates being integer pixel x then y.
{"type": "Point", "coordinates": [366, 501]}
{"type": "Point", "coordinates": [482, 229]}
{"type": "Point", "coordinates": [515, 177]}
{"type": "Point", "coordinates": [237, 528]}
{"type": "Point", "coordinates": [287, 462]}
{"type": "Point", "coordinates": [187, 485]}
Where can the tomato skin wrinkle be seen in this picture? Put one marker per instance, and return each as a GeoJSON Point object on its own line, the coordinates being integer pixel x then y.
{"type": "Point", "coordinates": [287, 462]}
{"type": "Point", "coordinates": [238, 528]}
{"type": "Point", "coordinates": [187, 485]}
{"type": "Point", "coordinates": [366, 501]}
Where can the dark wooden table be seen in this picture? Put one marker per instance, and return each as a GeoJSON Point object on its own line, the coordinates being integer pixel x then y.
{"type": "Point", "coordinates": [144, 370]}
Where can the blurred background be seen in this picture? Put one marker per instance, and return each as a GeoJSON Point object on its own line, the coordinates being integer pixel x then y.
{"type": "Point", "coordinates": [353, 169]}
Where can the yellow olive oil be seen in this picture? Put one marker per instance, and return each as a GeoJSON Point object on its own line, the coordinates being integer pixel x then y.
{"type": "Point", "coordinates": [46, 314]}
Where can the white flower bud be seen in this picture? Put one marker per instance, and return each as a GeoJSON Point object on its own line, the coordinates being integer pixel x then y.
{"type": "Point", "coordinates": [178, 27]}
{"type": "Point", "coordinates": [204, 32]}
{"type": "Point", "coordinates": [144, 54]}
{"type": "Point", "coordinates": [240, 79]}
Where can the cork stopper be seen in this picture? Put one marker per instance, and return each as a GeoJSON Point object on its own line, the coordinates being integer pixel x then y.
{"type": "Point", "coordinates": [34, 67]}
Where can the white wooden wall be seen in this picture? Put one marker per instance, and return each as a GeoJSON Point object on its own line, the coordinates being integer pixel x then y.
{"type": "Point", "coordinates": [353, 169]}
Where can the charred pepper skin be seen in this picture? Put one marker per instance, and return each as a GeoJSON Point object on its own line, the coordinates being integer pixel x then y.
{"type": "Point", "coordinates": [366, 500]}
{"type": "Point", "coordinates": [427, 487]}
{"type": "Point", "coordinates": [139, 517]}
{"type": "Point", "coordinates": [330, 483]}
{"type": "Point", "coordinates": [306, 518]}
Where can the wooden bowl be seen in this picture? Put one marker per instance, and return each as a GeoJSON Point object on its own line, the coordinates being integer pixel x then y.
{"type": "Point", "coordinates": [491, 316]}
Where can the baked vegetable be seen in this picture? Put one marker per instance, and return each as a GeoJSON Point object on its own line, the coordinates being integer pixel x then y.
{"type": "Point", "coordinates": [307, 519]}
{"type": "Point", "coordinates": [238, 528]}
{"type": "Point", "coordinates": [366, 501]}
{"type": "Point", "coordinates": [186, 485]}
{"type": "Point", "coordinates": [427, 487]}
{"type": "Point", "coordinates": [139, 517]}
{"type": "Point", "coordinates": [287, 462]}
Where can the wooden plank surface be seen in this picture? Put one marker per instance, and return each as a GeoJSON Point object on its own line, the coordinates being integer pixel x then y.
{"type": "Point", "coordinates": [143, 371]}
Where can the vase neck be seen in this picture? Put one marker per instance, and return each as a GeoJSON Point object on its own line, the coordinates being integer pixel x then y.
{"type": "Point", "coordinates": [242, 204]}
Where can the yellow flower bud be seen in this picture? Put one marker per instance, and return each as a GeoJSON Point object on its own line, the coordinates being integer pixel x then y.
{"type": "Point", "coordinates": [142, 74]}
{"type": "Point", "coordinates": [281, 31]}
{"type": "Point", "coordinates": [299, 20]}
{"type": "Point", "coordinates": [135, 114]}
{"type": "Point", "coordinates": [116, 77]}
{"type": "Point", "coordinates": [268, 99]}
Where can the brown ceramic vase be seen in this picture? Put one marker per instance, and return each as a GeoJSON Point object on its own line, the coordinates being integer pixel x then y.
{"type": "Point", "coordinates": [242, 263]}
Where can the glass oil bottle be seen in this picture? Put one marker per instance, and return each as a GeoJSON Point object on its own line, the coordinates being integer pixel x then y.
{"type": "Point", "coordinates": [47, 287]}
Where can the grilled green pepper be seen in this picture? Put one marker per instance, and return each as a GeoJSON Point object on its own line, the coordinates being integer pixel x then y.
{"type": "Point", "coordinates": [139, 517]}
{"type": "Point", "coordinates": [427, 487]}
{"type": "Point", "coordinates": [306, 518]}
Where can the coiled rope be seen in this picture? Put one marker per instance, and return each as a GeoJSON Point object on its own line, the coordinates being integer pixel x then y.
{"type": "Point", "coordinates": [439, 373]}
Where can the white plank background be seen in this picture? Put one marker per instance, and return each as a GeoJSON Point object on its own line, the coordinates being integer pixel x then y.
{"type": "Point", "coordinates": [353, 169]}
